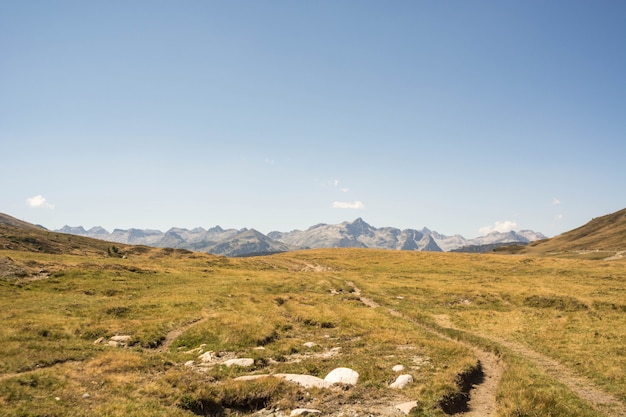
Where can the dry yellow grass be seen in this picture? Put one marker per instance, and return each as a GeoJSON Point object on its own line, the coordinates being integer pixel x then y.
{"type": "Point", "coordinates": [566, 309]}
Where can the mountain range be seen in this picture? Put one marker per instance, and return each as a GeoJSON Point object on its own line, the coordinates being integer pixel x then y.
{"type": "Point", "coordinates": [358, 233]}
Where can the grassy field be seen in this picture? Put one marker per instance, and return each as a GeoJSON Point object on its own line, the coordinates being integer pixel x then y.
{"type": "Point", "coordinates": [427, 311]}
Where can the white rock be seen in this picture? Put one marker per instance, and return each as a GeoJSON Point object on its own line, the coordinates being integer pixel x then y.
{"type": "Point", "coordinates": [401, 382]}
{"type": "Point", "coordinates": [189, 363]}
{"type": "Point", "coordinates": [86, 395]}
{"type": "Point", "coordinates": [122, 338]}
{"type": "Point", "coordinates": [407, 407]}
{"type": "Point", "coordinates": [113, 343]}
{"type": "Point", "coordinates": [207, 357]}
{"type": "Point", "coordinates": [304, 412]}
{"type": "Point", "coordinates": [342, 376]}
{"type": "Point", "coordinates": [252, 377]}
{"type": "Point", "coordinates": [244, 362]}
{"type": "Point", "coordinates": [98, 340]}
{"type": "Point", "coordinates": [309, 345]}
{"type": "Point", "coordinates": [398, 368]}
{"type": "Point", "coordinates": [307, 381]}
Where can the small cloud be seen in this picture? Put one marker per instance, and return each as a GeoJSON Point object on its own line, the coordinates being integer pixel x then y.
{"type": "Point", "coordinates": [558, 217]}
{"type": "Point", "coordinates": [556, 201]}
{"type": "Point", "coordinates": [39, 201]}
{"type": "Point", "coordinates": [502, 227]}
{"type": "Point", "coordinates": [357, 205]}
{"type": "Point", "coordinates": [335, 184]}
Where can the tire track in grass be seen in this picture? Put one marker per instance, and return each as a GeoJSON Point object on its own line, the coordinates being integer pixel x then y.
{"type": "Point", "coordinates": [581, 386]}
{"type": "Point", "coordinates": [481, 397]}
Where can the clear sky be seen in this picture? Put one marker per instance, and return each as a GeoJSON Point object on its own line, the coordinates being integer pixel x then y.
{"type": "Point", "coordinates": [461, 116]}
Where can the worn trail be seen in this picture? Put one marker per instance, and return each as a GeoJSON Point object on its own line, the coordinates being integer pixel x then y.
{"type": "Point", "coordinates": [482, 396]}
{"type": "Point", "coordinates": [584, 388]}
{"type": "Point", "coordinates": [174, 334]}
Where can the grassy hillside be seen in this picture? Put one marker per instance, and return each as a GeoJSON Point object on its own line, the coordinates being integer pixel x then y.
{"type": "Point", "coordinates": [21, 236]}
{"type": "Point", "coordinates": [603, 234]}
{"type": "Point", "coordinates": [364, 309]}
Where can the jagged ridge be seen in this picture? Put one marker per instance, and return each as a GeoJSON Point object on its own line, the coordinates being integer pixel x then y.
{"type": "Point", "coordinates": [356, 234]}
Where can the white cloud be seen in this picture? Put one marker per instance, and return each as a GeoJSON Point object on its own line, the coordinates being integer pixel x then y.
{"type": "Point", "coordinates": [344, 190]}
{"type": "Point", "coordinates": [502, 227]}
{"type": "Point", "coordinates": [555, 201]}
{"type": "Point", "coordinates": [558, 217]}
{"type": "Point", "coordinates": [39, 201]}
{"type": "Point", "coordinates": [357, 205]}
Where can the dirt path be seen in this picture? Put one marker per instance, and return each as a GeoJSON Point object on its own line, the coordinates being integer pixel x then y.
{"type": "Point", "coordinates": [482, 401]}
{"type": "Point", "coordinates": [482, 395]}
{"type": "Point", "coordinates": [174, 334]}
{"type": "Point", "coordinates": [585, 389]}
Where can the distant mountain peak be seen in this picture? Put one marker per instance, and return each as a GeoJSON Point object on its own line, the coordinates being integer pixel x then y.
{"type": "Point", "coordinates": [357, 234]}
{"type": "Point", "coordinates": [80, 230]}
{"type": "Point", "coordinates": [358, 227]}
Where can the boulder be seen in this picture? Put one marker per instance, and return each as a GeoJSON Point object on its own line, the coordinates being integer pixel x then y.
{"type": "Point", "coordinates": [401, 382]}
{"type": "Point", "coordinates": [307, 381]}
{"type": "Point", "coordinates": [244, 362]}
{"type": "Point", "coordinates": [342, 376]}
{"type": "Point", "coordinates": [398, 368]}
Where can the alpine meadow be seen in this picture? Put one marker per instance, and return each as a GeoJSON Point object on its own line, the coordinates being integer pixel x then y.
{"type": "Point", "coordinates": [93, 328]}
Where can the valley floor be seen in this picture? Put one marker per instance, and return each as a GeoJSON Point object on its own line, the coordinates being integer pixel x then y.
{"type": "Point", "coordinates": [159, 332]}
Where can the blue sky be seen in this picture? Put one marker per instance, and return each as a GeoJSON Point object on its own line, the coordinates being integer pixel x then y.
{"type": "Point", "coordinates": [461, 116]}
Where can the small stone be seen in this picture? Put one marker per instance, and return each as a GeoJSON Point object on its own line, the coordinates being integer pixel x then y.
{"type": "Point", "coordinates": [398, 368]}
{"type": "Point", "coordinates": [310, 344]}
{"type": "Point", "coordinates": [304, 412]}
{"type": "Point", "coordinates": [113, 343]}
{"type": "Point", "coordinates": [121, 338]}
{"type": "Point", "coordinates": [98, 340]}
{"type": "Point", "coordinates": [57, 398]}
{"type": "Point", "coordinates": [189, 363]}
{"type": "Point", "coordinates": [401, 382]}
{"type": "Point", "coordinates": [86, 395]}
{"type": "Point", "coordinates": [207, 357]}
